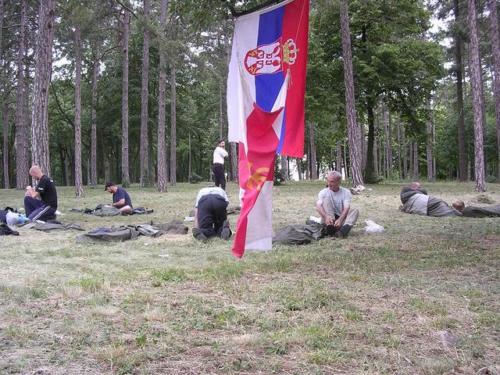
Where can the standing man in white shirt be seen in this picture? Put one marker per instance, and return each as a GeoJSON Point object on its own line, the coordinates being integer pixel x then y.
{"type": "Point", "coordinates": [218, 164]}
{"type": "Point", "coordinates": [334, 206]}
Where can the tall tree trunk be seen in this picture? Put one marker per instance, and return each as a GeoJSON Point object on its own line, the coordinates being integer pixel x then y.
{"type": "Point", "coordinates": [189, 158]}
{"type": "Point", "coordinates": [462, 156]}
{"type": "Point", "coordinates": [43, 72]}
{"type": "Point", "coordinates": [411, 160]}
{"type": "Point", "coordinates": [369, 175]}
{"type": "Point", "coordinates": [162, 151]}
{"type": "Point", "coordinates": [312, 147]}
{"type": "Point", "coordinates": [5, 124]}
{"type": "Point", "coordinates": [299, 168]}
{"type": "Point", "coordinates": [376, 168]}
{"type": "Point", "coordinates": [284, 168]}
{"type": "Point", "coordinates": [495, 49]}
{"type": "Point", "coordinates": [430, 147]}
{"type": "Point", "coordinates": [400, 160]}
{"type": "Point", "coordinates": [234, 161]}
{"type": "Point", "coordinates": [338, 158]}
{"type": "Point", "coordinates": [144, 142]}
{"type": "Point", "coordinates": [93, 119]}
{"type": "Point", "coordinates": [78, 113]}
{"type": "Point", "coordinates": [477, 98]}
{"type": "Point", "coordinates": [388, 140]}
{"type": "Point", "coordinates": [22, 154]}
{"type": "Point", "coordinates": [173, 126]}
{"type": "Point", "coordinates": [353, 131]}
{"type": "Point", "coordinates": [5, 111]}
{"type": "Point", "coordinates": [125, 62]}
{"type": "Point", "coordinates": [221, 113]}
{"type": "Point", "coordinates": [416, 170]}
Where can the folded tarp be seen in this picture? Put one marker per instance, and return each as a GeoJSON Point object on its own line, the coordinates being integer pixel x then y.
{"type": "Point", "coordinates": [130, 232]}
{"type": "Point", "coordinates": [104, 211]}
{"type": "Point", "coordinates": [48, 226]}
{"type": "Point", "coordinates": [300, 234]}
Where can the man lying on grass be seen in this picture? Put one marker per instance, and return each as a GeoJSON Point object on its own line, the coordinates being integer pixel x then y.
{"type": "Point", "coordinates": [334, 206]}
{"type": "Point", "coordinates": [416, 201]}
{"type": "Point", "coordinates": [121, 199]}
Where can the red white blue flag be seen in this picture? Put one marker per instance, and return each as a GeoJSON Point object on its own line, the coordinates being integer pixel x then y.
{"type": "Point", "coordinates": [265, 99]}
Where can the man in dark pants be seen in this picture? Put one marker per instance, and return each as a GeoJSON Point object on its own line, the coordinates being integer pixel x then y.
{"type": "Point", "coordinates": [210, 216]}
{"type": "Point", "coordinates": [218, 165]}
{"type": "Point", "coordinates": [40, 203]}
{"type": "Point", "coordinates": [121, 199]}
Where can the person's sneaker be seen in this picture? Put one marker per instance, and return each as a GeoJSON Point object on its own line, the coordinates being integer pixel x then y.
{"type": "Point", "coordinates": [198, 234]}
{"type": "Point", "coordinates": [344, 230]}
{"type": "Point", "coordinates": [225, 233]}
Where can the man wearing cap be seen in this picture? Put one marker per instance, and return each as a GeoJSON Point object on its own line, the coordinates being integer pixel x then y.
{"type": "Point", "coordinates": [121, 199]}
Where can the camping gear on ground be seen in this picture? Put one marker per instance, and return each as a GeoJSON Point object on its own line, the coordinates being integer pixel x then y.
{"type": "Point", "coordinates": [130, 232]}
{"type": "Point", "coordinates": [373, 227]}
{"type": "Point", "coordinates": [55, 225]}
{"type": "Point", "coordinates": [300, 234]}
{"type": "Point", "coordinates": [104, 210]}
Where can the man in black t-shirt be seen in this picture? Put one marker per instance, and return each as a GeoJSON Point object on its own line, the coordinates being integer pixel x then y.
{"type": "Point", "coordinates": [40, 202]}
{"type": "Point", "coordinates": [121, 199]}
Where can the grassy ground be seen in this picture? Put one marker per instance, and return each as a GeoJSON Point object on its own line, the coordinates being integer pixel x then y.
{"type": "Point", "coordinates": [421, 298]}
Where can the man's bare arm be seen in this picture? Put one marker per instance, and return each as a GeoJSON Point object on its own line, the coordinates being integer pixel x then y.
{"type": "Point", "coordinates": [326, 218]}
{"type": "Point", "coordinates": [120, 203]}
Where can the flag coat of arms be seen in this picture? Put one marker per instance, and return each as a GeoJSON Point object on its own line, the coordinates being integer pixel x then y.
{"type": "Point", "coordinates": [265, 99]}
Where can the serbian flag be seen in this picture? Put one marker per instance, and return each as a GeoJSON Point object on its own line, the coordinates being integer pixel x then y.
{"type": "Point", "coordinates": [265, 104]}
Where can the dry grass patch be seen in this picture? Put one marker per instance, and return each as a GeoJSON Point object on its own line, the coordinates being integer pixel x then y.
{"type": "Point", "coordinates": [421, 298]}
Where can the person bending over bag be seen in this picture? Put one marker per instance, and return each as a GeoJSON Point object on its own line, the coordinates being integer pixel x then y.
{"type": "Point", "coordinates": [210, 216]}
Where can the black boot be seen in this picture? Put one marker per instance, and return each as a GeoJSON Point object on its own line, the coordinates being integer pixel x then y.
{"type": "Point", "coordinates": [344, 230]}
{"type": "Point", "coordinates": [225, 233]}
{"type": "Point", "coordinates": [198, 234]}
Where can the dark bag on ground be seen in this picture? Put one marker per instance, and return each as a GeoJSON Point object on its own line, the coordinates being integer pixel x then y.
{"type": "Point", "coordinates": [488, 211]}
{"type": "Point", "coordinates": [6, 231]}
{"type": "Point", "coordinates": [300, 234]}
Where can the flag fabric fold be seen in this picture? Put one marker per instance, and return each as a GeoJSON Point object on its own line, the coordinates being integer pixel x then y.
{"type": "Point", "coordinates": [265, 99]}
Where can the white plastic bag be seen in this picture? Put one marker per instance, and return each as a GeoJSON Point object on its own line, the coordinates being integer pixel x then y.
{"type": "Point", "coordinates": [373, 227]}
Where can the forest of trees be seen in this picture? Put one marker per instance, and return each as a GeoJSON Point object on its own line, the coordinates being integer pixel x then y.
{"type": "Point", "coordinates": [134, 91]}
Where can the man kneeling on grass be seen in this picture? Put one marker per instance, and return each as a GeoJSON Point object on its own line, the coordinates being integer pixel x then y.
{"type": "Point", "coordinates": [121, 199]}
{"type": "Point", "coordinates": [334, 206]}
{"type": "Point", "coordinates": [210, 216]}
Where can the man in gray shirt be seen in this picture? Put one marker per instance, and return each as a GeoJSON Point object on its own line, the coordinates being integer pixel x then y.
{"type": "Point", "coordinates": [334, 206]}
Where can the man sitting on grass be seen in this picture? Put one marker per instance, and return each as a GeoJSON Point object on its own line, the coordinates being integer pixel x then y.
{"type": "Point", "coordinates": [210, 216]}
{"type": "Point", "coordinates": [40, 202]}
{"type": "Point", "coordinates": [416, 201]}
{"type": "Point", "coordinates": [121, 199]}
{"type": "Point", "coordinates": [334, 206]}
{"type": "Point", "coordinates": [477, 211]}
